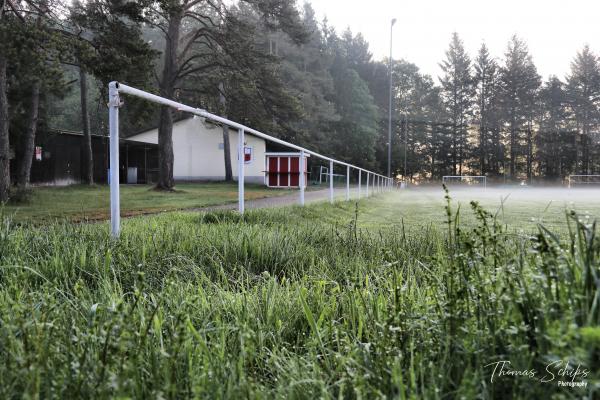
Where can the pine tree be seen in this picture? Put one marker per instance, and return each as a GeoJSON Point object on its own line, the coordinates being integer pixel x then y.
{"type": "Point", "coordinates": [105, 43]}
{"type": "Point", "coordinates": [486, 99]}
{"type": "Point", "coordinates": [457, 92]}
{"type": "Point", "coordinates": [34, 71]}
{"type": "Point", "coordinates": [306, 72]}
{"type": "Point", "coordinates": [519, 83]}
{"type": "Point", "coordinates": [196, 43]}
{"type": "Point", "coordinates": [353, 137]}
{"type": "Point", "coordinates": [4, 121]}
{"type": "Point", "coordinates": [583, 87]}
{"type": "Point", "coordinates": [554, 150]}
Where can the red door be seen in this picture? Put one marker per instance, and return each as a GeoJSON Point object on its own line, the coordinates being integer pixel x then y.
{"type": "Point", "coordinates": [284, 171]}
{"type": "Point", "coordinates": [273, 171]}
{"type": "Point", "coordinates": [294, 171]}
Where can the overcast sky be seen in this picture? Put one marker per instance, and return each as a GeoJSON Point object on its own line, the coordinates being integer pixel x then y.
{"type": "Point", "coordinates": [554, 29]}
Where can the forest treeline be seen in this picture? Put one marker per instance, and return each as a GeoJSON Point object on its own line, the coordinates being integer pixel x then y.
{"type": "Point", "coordinates": [271, 64]}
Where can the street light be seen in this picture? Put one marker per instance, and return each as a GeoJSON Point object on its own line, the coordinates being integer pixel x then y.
{"type": "Point", "coordinates": [389, 166]}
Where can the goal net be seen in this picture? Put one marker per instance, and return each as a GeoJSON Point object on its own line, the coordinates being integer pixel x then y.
{"type": "Point", "coordinates": [584, 180]}
{"type": "Point", "coordinates": [465, 180]}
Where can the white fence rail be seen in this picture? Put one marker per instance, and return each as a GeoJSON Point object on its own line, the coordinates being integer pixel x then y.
{"type": "Point", "coordinates": [379, 182]}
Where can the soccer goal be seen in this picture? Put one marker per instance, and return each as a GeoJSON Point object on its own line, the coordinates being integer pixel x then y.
{"type": "Point", "coordinates": [465, 180]}
{"type": "Point", "coordinates": [583, 180]}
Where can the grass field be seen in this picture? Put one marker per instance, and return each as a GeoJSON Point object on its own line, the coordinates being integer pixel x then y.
{"type": "Point", "coordinates": [520, 208]}
{"type": "Point", "coordinates": [80, 203]}
{"type": "Point", "coordinates": [397, 296]}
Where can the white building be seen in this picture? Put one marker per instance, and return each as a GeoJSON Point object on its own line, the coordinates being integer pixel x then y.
{"type": "Point", "coordinates": [198, 151]}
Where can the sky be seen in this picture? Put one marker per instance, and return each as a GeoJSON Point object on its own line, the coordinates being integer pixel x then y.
{"type": "Point", "coordinates": [553, 29]}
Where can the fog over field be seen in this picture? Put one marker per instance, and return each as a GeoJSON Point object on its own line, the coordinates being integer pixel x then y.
{"type": "Point", "coordinates": [519, 207]}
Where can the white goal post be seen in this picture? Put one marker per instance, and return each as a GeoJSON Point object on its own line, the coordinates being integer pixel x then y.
{"type": "Point", "coordinates": [584, 180]}
{"type": "Point", "coordinates": [465, 179]}
{"type": "Point", "coordinates": [115, 89]}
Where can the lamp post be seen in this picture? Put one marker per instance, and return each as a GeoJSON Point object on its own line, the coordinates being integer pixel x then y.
{"type": "Point", "coordinates": [405, 147]}
{"type": "Point", "coordinates": [389, 164]}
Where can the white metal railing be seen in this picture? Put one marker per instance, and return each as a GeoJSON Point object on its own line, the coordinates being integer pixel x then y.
{"type": "Point", "coordinates": [379, 182]}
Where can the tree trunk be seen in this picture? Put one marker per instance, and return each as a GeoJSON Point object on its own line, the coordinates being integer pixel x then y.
{"type": "Point", "coordinates": [513, 153]}
{"type": "Point", "coordinates": [529, 152]}
{"type": "Point", "coordinates": [165, 127]}
{"type": "Point", "coordinates": [88, 156]}
{"type": "Point", "coordinates": [226, 144]}
{"type": "Point", "coordinates": [498, 153]}
{"type": "Point", "coordinates": [460, 146]}
{"type": "Point", "coordinates": [165, 150]}
{"type": "Point", "coordinates": [454, 149]}
{"type": "Point", "coordinates": [482, 127]}
{"type": "Point", "coordinates": [24, 172]}
{"type": "Point", "coordinates": [4, 141]}
{"type": "Point", "coordinates": [585, 152]}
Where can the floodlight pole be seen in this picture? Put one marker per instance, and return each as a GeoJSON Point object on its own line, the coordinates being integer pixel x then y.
{"type": "Point", "coordinates": [113, 125]}
{"type": "Point", "coordinates": [331, 181]}
{"type": "Point", "coordinates": [301, 180]}
{"type": "Point", "coordinates": [241, 165]}
{"type": "Point", "coordinates": [389, 163]}
{"type": "Point", "coordinates": [405, 147]}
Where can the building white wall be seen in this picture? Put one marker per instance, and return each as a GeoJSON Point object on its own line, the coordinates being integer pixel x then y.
{"type": "Point", "coordinates": [198, 152]}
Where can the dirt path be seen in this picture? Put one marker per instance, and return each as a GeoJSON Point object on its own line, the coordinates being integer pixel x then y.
{"type": "Point", "coordinates": [311, 196]}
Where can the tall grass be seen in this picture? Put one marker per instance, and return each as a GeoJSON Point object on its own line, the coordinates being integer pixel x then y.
{"type": "Point", "coordinates": [290, 304]}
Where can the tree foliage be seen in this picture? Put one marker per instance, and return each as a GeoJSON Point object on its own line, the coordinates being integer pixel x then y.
{"type": "Point", "coordinates": [271, 65]}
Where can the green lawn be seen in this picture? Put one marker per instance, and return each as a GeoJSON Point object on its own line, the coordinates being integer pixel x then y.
{"type": "Point", "coordinates": [520, 209]}
{"type": "Point", "coordinates": [78, 202]}
{"type": "Point", "coordinates": [380, 299]}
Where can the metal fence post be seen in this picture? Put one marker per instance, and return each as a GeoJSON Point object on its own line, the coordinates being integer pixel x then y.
{"type": "Point", "coordinates": [113, 123]}
{"type": "Point", "coordinates": [359, 176]}
{"type": "Point", "coordinates": [331, 181]}
{"type": "Point", "coordinates": [241, 164]}
{"type": "Point", "coordinates": [374, 184]}
{"type": "Point", "coordinates": [347, 183]}
{"type": "Point", "coordinates": [301, 179]}
{"type": "Point", "coordinates": [367, 186]}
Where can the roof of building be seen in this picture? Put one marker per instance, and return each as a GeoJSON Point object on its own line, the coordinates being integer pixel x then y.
{"type": "Point", "coordinates": [79, 133]}
{"type": "Point", "coordinates": [183, 118]}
